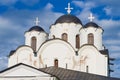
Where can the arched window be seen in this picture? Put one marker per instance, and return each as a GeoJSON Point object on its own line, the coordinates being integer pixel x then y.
{"type": "Point", "coordinates": [53, 36]}
{"type": "Point", "coordinates": [56, 62]}
{"type": "Point", "coordinates": [33, 43]}
{"type": "Point", "coordinates": [90, 38]}
{"type": "Point", "coordinates": [77, 41]}
{"type": "Point", "coordinates": [64, 36]}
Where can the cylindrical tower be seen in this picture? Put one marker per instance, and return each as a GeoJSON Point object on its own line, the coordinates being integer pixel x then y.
{"type": "Point", "coordinates": [34, 37]}
{"type": "Point", "coordinates": [67, 28]}
{"type": "Point", "coordinates": [91, 33]}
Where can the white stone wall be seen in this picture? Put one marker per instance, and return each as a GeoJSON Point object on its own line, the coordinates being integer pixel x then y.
{"type": "Point", "coordinates": [97, 32]}
{"type": "Point", "coordinates": [40, 36]}
{"type": "Point", "coordinates": [71, 29]}
{"type": "Point", "coordinates": [56, 49]}
{"type": "Point", "coordinates": [28, 78]}
{"type": "Point", "coordinates": [88, 55]}
{"type": "Point", "coordinates": [22, 72]}
{"type": "Point", "coordinates": [24, 55]}
{"type": "Point", "coordinates": [12, 60]}
{"type": "Point", "coordinates": [91, 57]}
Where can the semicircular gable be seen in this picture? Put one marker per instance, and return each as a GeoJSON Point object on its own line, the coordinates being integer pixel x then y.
{"type": "Point", "coordinates": [91, 60]}
{"type": "Point", "coordinates": [24, 47]}
{"type": "Point", "coordinates": [88, 49]}
{"type": "Point", "coordinates": [23, 54]}
{"type": "Point", "coordinates": [23, 51]}
{"type": "Point", "coordinates": [56, 49]}
{"type": "Point", "coordinates": [55, 41]}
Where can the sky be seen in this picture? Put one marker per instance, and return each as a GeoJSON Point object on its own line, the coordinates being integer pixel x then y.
{"type": "Point", "coordinates": [17, 16]}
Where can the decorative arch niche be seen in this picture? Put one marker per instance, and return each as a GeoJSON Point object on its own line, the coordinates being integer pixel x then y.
{"type": "Point", "coordinates": [33, 43]}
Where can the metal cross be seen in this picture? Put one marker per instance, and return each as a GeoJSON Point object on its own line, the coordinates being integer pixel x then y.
{"type": "Point", "coordinates": [91, 17]}
{"type": "Point", "coordinates": [37, 21]}
{"type": "Point", "coordinates": [69, 8]}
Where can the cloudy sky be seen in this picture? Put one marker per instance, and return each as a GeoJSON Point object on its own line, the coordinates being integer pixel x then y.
{"type": "Point", "coordinates": [17, 16]}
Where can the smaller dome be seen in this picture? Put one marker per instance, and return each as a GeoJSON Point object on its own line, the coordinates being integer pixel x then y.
{"type": "Point", "coordinates": [36, 28]}
{"type": "Point", "coordinates": [68, 19]}
{"type": "Point", "coordinates": [11, 53]}
{"type": "Point", "coordinates": [91, 24]}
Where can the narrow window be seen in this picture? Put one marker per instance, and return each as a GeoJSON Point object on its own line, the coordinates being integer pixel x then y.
{"type": "Point", "coordinates": [66, 65]}
{"type": "Point", "coordinates": [90, 38]}
{"type": "Point", "coordinates": [33, 43]}
{"type": "Point", "coordinates": [56, 62]}
{"type": "Point", "coordinates": [53, 36]}
{"type": "Point", "coordinates": [45, 65]}
{"type": "Point", "coordinates": [87, 69]}
{"type": "Point", "coordinates": [64, 36]}
{"type": "Point", "coordinates": [77, 41]}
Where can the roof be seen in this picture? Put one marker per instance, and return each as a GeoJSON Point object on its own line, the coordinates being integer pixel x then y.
{"type": "Point", "coordinates": [91, 24]}
{"type": "Point", "coordinates": [68, 19]}
{"type": "Point", "coordinates": [36, 28]}
{"type": "Point", "coordinates": [66, 74]}
{"type": "Point", "coordinates": [11, 53]}
{"type": "Point", "coordinates": [104, 52]}
{"type": "Point", "coordinates": [16, 70]}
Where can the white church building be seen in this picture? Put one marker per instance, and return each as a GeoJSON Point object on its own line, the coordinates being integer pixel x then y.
{"type": "Point", "coordinates": [69, 45]}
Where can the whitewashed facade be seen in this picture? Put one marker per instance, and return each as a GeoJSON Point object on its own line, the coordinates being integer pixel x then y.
{"type": "Point", "coordinates": [69, 45]}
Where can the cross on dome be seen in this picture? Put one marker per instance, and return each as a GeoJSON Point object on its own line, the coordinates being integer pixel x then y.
{"type": "Point", "coordinates": [69, 8]}
{"type": "Point", "coordinates": [37, 21]}
{"type": "Point", "coordinates": [91, 17]}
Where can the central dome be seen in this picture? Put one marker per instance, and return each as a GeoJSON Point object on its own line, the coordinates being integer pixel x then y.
{"type": "Point", "coordinates": [68, 19]}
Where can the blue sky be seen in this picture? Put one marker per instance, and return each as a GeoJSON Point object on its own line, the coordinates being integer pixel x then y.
{"type": "Point", "coordinates": [17, 16]}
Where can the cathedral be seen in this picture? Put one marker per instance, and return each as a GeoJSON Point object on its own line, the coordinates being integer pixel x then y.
{"type": "Point", "coordinates": [69, 47]}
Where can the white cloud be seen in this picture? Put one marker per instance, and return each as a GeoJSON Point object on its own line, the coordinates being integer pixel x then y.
{"type": "Point", "coordinates": [114, 48]}
{"type": "Point", "coordinates": [3, 61]}
{"type": "Point", "coordinates": [116, 68]}
{"type": "Point", "coordinates": [112, 42]}
{"type": "Point", "coordinates": [113, 4]}
{"type": "Point", "coordinates": [82, 4]}
{"type": "Point", "coordinates": [7, 2]}
{"type": "Point", "coordinates": [11, 2]}
{"type": "Point", "coordinates": [30, 2]}
{"type": "Point", "coordinates": [109, 23]}
{"type": "Point", "coordinates": [119, 34]}
{"type": "Point", "coordinates": [8, 25]}
{"type": "Point", "coordinates": [115, 55]}
{"type": "Point", "coordinates": [49, 6]}
{"type": "Point", "coordinates": [108, 10]}
{"type": "Point", "coordinates": [2, 58]}
{"type": "Point", "coordinates": [86, 6]}
{"type": "Point", "coordinates": [4, 22]}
